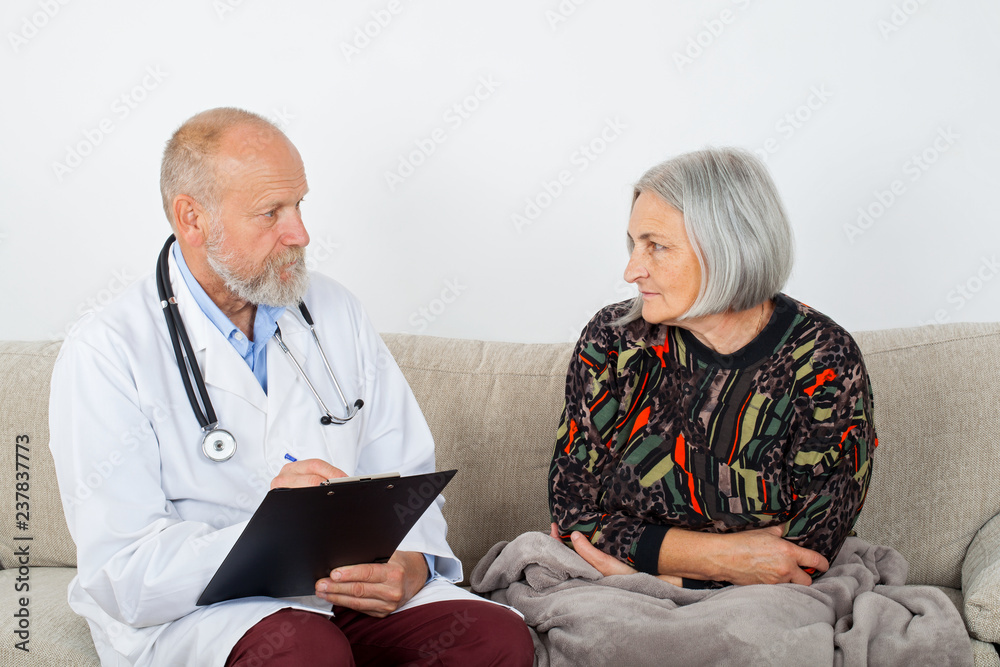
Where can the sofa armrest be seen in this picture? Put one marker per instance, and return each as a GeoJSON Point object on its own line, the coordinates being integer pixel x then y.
{"type": "Point", "coordinates": [981, 583]}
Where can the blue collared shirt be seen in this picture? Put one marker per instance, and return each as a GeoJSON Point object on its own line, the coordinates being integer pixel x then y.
{"type": "Point", "coordinates": [254, 352]}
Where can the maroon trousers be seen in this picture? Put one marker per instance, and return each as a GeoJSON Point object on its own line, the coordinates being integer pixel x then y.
{"type": "Point", "coordinates": [456, 632]}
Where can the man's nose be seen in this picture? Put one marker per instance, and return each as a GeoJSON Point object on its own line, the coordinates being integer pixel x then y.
{"type": "Point", "coordinates": [295, 233]}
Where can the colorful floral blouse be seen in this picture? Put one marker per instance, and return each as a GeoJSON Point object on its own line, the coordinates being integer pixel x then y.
{"type": "Point", "coordinates": [659, 431]}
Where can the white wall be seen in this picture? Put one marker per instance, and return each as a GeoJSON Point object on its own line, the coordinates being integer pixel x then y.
{"type": "Point", "coordinates": [888, 81]}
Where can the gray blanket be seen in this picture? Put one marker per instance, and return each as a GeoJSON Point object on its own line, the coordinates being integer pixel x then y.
{"type": "Point", "coordinates": [858, 613]}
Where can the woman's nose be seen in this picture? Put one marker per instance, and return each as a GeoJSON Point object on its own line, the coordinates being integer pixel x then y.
{"type": "Point", "coordinates": [634, 269]}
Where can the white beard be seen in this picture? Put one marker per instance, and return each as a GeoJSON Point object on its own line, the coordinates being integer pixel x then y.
{"type": "Point", "coordinates": [261, 285]}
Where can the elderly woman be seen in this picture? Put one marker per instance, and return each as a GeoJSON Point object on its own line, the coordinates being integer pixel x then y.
{"type": "Point", "coordinates": [715, 430]}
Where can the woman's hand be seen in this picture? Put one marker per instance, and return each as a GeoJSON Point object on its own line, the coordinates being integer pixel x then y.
{"type": "Point", "coordinates": [604, 563]}
{"type": "Point", "coordinates": [760, 556]}
{"type": "Point", "coordinates": [764, 557]}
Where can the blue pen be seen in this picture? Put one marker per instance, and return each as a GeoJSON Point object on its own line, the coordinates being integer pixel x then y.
{"type": "Point", "coordinates": [291, 458]}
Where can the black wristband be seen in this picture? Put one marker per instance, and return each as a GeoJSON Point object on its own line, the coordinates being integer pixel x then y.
{"type": "Point", "coordinates": [647, 549]}
{"type": "Point", "coordinates": [699, 584]}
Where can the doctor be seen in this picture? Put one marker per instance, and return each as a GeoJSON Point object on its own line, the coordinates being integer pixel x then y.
{"type": "Point", "coordinates": [158, 518]}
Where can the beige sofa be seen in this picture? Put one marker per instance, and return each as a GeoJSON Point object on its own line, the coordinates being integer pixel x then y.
{"type": "Point", "coordinates": [493, 408]}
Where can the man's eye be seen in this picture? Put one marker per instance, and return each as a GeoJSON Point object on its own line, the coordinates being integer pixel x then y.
{"type": "Point", "coordinates": [657, 246]}
{"type": "Point", "coordinates": [299, 204]}
{"type": "Point", "coordinates": [271, 213]}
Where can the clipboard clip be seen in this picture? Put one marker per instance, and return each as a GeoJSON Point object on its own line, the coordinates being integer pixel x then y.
{"type": "Point", "coordinates": [360, 478]}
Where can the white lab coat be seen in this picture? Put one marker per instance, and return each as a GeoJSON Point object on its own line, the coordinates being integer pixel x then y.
{"type": "Point", "coordinates": [153, 518]}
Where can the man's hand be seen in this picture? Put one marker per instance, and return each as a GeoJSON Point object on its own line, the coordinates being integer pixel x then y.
{"type": "Point", "coordinates": [376, 589]}
{"type": "Point", "coordinates": [604, 563]}
{"type": "Point", "coordinates": [309, 472]}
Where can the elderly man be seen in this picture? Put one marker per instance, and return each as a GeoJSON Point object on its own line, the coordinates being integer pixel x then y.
{"type": "Point", "coordinates": [152, 528]}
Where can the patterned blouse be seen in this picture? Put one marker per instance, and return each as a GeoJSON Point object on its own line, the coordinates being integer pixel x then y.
{"type": "Point", "coordinates": [660, 431]}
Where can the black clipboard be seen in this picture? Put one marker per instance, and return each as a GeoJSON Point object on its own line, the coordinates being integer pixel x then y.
{"type": "Point", "coordinates": [297, 536]}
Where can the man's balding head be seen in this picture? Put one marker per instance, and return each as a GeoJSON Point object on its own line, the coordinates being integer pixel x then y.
{"type": "Point", "coordinates": [190, 161]}
{"type": "Point", "coordinates": [232, 184]}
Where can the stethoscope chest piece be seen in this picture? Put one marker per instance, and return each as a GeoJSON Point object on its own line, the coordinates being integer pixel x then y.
{"type": "Point", "coordinates": [219, 445]}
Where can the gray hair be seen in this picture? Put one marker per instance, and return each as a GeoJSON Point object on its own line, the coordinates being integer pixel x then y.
{"type": "Point", "coordinates": [735, 222]}
{"type": "Point", "coordinates": [189, 159]}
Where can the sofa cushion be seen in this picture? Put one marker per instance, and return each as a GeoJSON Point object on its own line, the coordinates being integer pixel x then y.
{"type": "Point", "coordinates": [981, 583]}
{"type": "Point", "coordinates": [25, 371]}
{"type": "Point", "coordinates": [59, 638]}
{"type": "Point", "coordinates": [937, 412]}
{"type": "Point", "coordinates": [985, 654]}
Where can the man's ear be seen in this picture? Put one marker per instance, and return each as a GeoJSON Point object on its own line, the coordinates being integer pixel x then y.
{"type": "Point", "coordinates": [191, 220]}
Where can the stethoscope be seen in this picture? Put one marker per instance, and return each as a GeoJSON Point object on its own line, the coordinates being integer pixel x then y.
{"type": "Point", "coordinates": [218, 443]}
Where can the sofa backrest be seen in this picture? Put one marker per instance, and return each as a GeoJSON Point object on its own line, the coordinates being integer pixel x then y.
{"type": "Point", "coordinates": [937, 412]}
{"type": "Point", "coordinates": [493, 409]}
{"type": "Point", "coordinates": [25, 371]}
